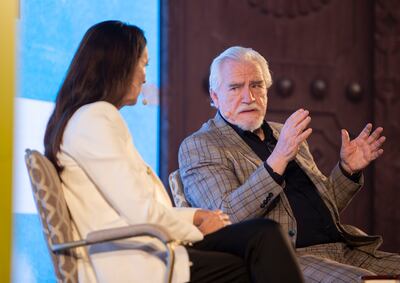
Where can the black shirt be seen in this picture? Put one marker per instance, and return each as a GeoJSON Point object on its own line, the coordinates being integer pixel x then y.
{"type": "Point", "coordinates": [315, 224]}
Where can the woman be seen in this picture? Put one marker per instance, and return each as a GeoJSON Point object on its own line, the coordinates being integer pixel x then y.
{"type": "Point", "coordinates": [107, 184]}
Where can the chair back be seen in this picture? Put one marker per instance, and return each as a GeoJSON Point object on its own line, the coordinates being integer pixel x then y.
{"type": "Point", "coordinates": [175, 183]}
{"type": "Point", "coordinates": [53, 211]}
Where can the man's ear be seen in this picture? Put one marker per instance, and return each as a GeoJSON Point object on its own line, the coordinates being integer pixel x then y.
{"type": "Point", "coordinates": [214, 98]}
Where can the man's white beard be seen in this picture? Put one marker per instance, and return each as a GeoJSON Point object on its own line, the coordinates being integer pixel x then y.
{"type": "Point", "coordinates": [251, 126]}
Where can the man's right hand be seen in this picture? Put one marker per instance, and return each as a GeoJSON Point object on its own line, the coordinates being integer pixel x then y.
{"type": "Point", "coordinates": [208, 221]}
{"type": "Point", "coordinates": [293, 133]}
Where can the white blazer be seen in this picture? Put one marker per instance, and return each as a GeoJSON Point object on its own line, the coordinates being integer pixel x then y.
{"type": "Point", "coordinates": [107, 184]}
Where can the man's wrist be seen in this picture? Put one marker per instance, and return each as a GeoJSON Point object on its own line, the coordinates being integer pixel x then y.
{"type": "Point", "coordinates": [278, 165]}
{"type": "Point", "coordinates": [345, 169]}
{"type": "Point", "coordinates": [278, 178]}
{"type": "Point", "coordinates": [354, 176]}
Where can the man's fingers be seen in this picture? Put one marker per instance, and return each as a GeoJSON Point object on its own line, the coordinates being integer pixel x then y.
{"type": "Point", "coordinates": [303, 124]}
{"type": "Point", "coordinates": [295, 116]}
{"type": "Point", "coordinates": [297, 113]}
{"type": "Point", "coordinates": [366, 131]}
{"type": "Point", "coordinates": [304, 135]}
{"type": "Point", "coordinates": [377, 153]}
{"type": "Point", "coordinates": [378, 143]}
{"type": "Point", "coordinates": [297, 122]}
{"type": "Point", "coordinates": [300, 117]}
{"type": "Point", "coordinates": [375, 135]}
{"type": "Point", "coordinates": [345, 138]}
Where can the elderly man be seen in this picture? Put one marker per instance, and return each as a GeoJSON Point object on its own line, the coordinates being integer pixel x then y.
{"type": "Point", "coordinates": [250, 168]}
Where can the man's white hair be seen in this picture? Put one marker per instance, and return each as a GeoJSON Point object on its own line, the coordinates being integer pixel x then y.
{"type": "Point", "coordinates": [241, 54]}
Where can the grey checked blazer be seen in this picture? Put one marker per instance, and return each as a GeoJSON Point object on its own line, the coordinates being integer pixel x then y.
{"type": "Point", "coordinates": [219, 170]}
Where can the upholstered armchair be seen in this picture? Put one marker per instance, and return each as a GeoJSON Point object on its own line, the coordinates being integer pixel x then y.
{"type": "Point", "coordinates": [57, 224]}
{"type": "Point", "coordinates": [176, 186]}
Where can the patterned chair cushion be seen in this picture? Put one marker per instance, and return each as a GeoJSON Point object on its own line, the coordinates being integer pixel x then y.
{"type": "Point", "coordinates": [53, 211]}
{"type": "Point", "coordinates": [176, 186]}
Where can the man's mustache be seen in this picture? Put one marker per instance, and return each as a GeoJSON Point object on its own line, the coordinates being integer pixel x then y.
{"type": "Point", "coordinates": [248, 108]}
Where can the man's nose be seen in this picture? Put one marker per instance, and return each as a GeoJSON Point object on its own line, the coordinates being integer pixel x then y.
{"type": "Point", "coordinates": [247, 96]}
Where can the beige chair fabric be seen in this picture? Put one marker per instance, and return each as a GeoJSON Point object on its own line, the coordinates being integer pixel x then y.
{"type": "Point", "coordinates": [175, 183]}
{"type": "Point", "coordinates": [57, 224]}
{"type": "Point", "coordinates": [53, 211]}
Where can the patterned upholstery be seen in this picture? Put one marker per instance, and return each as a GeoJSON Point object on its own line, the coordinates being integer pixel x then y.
{"type": "Point", "coordinates": [53, 211]}
{"type": "Point", "coordinates": [176, 186]}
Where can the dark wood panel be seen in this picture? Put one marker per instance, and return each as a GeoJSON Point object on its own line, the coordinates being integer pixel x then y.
{"type": "Point", "coordinates": [387, 113]}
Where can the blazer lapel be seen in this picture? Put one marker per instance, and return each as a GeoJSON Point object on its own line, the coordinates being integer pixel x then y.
{"type": "Point", "coordinates": [236, 141]}
{"type": "Point", "coordinates": [245, 151]}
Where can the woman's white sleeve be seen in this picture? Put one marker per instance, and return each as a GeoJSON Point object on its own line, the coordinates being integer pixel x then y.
{"type": "Point", "coordinates": [99, 145]}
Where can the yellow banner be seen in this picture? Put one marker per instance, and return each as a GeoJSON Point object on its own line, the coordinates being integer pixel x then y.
{"type": "Point", "coordinates": [8, 12]}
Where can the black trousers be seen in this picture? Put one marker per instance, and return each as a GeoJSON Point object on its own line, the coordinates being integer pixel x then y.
{"type": "Point", "coordinates": [251, 251]}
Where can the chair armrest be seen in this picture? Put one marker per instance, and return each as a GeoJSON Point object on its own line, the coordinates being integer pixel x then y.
{"type": "Point", "coordinates": [120, 233]}
{"type": "Point", "coordinates": [113, 234]}
{"type": "Point", "coordinates": [105, 235]}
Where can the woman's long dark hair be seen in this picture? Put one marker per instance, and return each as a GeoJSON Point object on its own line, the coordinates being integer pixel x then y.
{"type": "Point", "coordinates": [101, 70]}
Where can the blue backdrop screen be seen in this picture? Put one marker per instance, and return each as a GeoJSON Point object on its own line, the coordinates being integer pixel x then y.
{"type": "Point", "coordinates": [49, 34]}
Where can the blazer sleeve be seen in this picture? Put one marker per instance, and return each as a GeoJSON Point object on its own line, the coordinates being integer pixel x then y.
{"type": "Point", "coordinates": [100, 143]}
{"type": "Point", "coordinates": [342, 188]}
{"type": "Point", "coordinates": [186, 213]}
{"type": "Point", "coordinates": [210, 180]}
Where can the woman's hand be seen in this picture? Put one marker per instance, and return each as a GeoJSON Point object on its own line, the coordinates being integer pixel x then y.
{"type": "Point", "coordinates": [209, 221]}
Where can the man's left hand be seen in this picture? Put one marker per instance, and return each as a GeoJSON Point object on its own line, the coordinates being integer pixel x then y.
{"type": "Point", "coordinates": [356, 154]}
